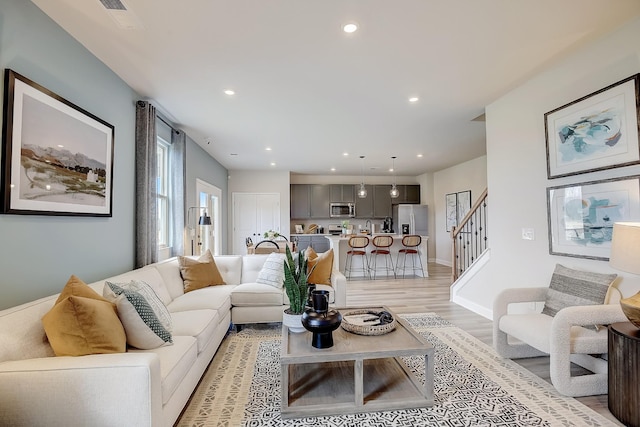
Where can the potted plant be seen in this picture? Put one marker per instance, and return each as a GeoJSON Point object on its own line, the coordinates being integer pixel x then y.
{"type": "Point", "coordinates": [297, 288]}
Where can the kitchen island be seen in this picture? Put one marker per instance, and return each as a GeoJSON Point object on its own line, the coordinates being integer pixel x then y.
{"type": "Point", "coordinates": [340, 247]}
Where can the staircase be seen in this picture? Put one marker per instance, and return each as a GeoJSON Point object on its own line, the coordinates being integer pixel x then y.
{"type": "Point", "coordinates": [470, 238]}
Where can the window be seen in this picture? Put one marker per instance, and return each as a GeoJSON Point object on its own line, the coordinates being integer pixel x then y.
{"type": "Point", "coordinates": [163, 193]}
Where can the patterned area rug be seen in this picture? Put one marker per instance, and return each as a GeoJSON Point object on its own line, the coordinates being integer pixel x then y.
{"type": "Point", "coordinates": [473, 387]}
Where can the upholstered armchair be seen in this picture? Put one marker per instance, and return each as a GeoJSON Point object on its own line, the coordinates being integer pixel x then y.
{"type": "Point", "coordinates": [569, 329]}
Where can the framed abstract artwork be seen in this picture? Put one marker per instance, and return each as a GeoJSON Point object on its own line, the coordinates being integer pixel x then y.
{"type": "Point", "coordinates": [57, 159]}
{"type": "Point", "coordinates": [596, 132]}
{"type": "Point", "coordinates": [464, 204]}
{"type": "Point", "coordinates": [581, 216]}
{"type": "Point", "coordinates": [451, 210]}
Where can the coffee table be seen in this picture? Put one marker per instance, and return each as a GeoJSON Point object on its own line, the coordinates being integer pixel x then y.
{"type": "Point", "coordinates": [358, 374]}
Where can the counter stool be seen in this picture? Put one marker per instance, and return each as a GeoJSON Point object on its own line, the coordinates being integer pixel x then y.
{"type": "Point", "coordinates": [410, 246]}
{"type": "Point", "coordinates": [382, 245]}
{"type": "Point", "coordinates": [357, 247]}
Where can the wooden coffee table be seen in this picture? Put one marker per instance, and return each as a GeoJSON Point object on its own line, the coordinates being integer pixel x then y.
{"type": "Point", "coordinates": [358, 374]}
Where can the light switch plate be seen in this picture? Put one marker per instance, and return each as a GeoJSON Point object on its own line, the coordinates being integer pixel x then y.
{"type": "Point", "coordinates": [528, 234]}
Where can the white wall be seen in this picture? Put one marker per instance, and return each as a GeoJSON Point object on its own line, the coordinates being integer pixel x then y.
{"type": "Point", "coordinates": [260, 182]}
{"type": "Point", "coordinates": [471, 175]}
{"type": "Point", "coordinates": [516, 164]}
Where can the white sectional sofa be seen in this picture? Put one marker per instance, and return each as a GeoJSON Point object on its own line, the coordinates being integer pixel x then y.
{"type": "Point", "coordinates": [139, 387]}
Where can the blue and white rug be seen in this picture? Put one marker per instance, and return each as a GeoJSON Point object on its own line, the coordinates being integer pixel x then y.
{"type": "Point", "coordinates": [473, 386]}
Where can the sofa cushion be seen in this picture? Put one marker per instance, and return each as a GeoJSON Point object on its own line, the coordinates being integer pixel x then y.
{"type": "Point", "coordinates": [321, 264]}
{"type": "Point", "coordinates": [256, 294]}
{"type": "Point", "coordinates": [571, 287]}
{"type": "Point", "coordinates": [200, 324]}
{"type": "Point", "coordinates": [213, 297]}
{"type": "Point", "coordinates": [83, 323]}
{"type": "Point", "coordinates": [148, 293]}
{"type": "Point", "coordinates": [148, 274]}
{"type": "Point", "coordinates": [230, 267]}
{"type": "Point", "coordinates": [251, 266]}
{"type": "Point", "coordinates": [142, 326]}
{"type": "Point", "coordinates": [175, 363]}
{"type": "Point", "coordinates": [272, 272]}
{"type": "Point", "coordinates": [199, 273]}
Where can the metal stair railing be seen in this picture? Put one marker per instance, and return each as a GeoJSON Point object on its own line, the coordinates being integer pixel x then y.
{"type": "Point", "coordinates": [470, 239]}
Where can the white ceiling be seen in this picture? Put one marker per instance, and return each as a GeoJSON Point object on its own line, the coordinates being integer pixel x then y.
{"type": "Point", "coordinates": [311, 92]}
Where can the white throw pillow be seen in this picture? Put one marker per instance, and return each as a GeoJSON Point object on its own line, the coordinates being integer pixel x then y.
{"type": "Point", "coordinates": [161, 311]}
{"type": "Point", "coordinates": [272, 272]}
{"type": "Point", "coordinates": [141, 325]}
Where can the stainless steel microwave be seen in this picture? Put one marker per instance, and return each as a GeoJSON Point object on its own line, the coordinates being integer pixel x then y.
{"type": "Point", "coordinates": [342, 210]}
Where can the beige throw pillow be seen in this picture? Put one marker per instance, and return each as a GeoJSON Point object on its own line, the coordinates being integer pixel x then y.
{"type": "Point", "coordinates": [200, 273]}
{"type": "Point", "coordinates": [323, 263]}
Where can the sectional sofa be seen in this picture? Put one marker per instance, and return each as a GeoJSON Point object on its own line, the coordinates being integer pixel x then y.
{"type": "Point", "coordinates": [137, 387]}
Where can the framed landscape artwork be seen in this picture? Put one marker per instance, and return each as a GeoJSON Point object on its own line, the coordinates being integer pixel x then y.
{"type": "Point", "coordinates": [596, 132]}
{"type": "Point", "coordinates": [581, 216]}
{"type": "Point", "coordinates": [464, 204]}
{"type": "Point", "coordinates": [451, 206]}
{"type": "Point", "coordinates": [57, 157]}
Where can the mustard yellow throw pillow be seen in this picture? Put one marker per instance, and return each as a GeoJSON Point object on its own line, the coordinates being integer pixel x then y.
{"type": "Point", "coordinates": [321, 274]}
{"type": "Point", "coordinates": [82, 322]}
{"type": "Point", "coordinates": [200, 273]}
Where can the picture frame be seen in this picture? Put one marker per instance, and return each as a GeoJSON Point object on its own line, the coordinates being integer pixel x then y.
{"type": "Point", "coordinates": [57, 158]}
{"type": "Point", "coordinates": [451, 210]}
{"type": "Point", "coordinates": [581, 216]}
{"type": "Point", "coordinates": [464, 205]}
{"type": "Point", "coordinates": [299, 228]}
{"type": "Point", "coordinates": [596, 132]}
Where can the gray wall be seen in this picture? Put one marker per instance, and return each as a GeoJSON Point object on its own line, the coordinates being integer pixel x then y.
{"type": "Point", "coordinates": [39, 253]}
{"type": "Point", "coordinates": [200, 165]}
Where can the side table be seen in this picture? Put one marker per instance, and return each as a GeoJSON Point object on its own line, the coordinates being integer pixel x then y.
{"type": "Point", "coordinates": [624, 373]}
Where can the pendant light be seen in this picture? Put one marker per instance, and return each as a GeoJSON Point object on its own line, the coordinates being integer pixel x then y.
{"type": "Point", "coordinates": [394, 193]}
{"type": "Point", "coordinates": [362, 192]}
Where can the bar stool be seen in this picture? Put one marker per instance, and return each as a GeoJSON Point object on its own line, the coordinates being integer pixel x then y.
{"type": "Point", "coordinates": [357, 245]}
{"type": "Point", "coordinates": [382, 245]}
{"type": "Point", "coordinates": [410, 243]}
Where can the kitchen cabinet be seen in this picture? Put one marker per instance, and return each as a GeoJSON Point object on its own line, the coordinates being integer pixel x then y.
{"type": "Point", "coordinates": [381, 201]}
{"type": "Point", "coordinates": [342, 193]}
{"type": "Point", "coordinates": [409, 194]}
{"type": "Point", "coordinates": [364, 207]}
{"type": "Point", "coordinates": [319, 196]}
{"type": "Point", "coordinates": [319, 243]}
{"type": "Point", "coordinates": [300, 201]}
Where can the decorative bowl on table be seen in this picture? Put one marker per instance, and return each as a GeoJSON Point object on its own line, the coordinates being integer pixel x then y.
{"type": "Point", "coordinates": [368, 322]}
{"type": "Point", "coordinates": [322, 325]}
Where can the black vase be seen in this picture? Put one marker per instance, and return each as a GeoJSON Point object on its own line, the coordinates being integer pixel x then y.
{"type": "Point", "coordinates": [322, 326]}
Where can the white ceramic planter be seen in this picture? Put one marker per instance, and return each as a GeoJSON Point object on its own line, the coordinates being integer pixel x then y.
{"type": "Point", "coordinates": [293, 322]}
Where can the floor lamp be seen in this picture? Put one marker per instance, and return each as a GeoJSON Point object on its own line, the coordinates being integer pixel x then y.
{"type": "Point", "coordinates": [203, 220]}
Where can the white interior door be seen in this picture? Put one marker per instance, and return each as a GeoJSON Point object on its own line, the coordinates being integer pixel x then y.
{"type": "Point", "coordinates": [253, 214]}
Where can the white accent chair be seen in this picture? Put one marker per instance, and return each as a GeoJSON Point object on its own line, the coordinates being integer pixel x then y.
{"type": "Point", "coordinates": [562, 337]}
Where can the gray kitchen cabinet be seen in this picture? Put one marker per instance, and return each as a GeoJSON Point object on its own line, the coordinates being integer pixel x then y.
{"type": "Point", "coordinates": [381, 201]}
{"type": "Point", "coordinates": [409, 194]}
{"type": "Point", "coordinates": [364, 207]}
{"type": "Point", "coordinates": [319, 196]}
{"type": "Point", "coordinates": [342, 193]}
{"type": "Point", "coordinates": [319, 243]}
{"type": "Point", "coordinates": [300, 201]}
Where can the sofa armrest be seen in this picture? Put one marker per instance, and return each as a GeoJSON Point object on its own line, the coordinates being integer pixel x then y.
{"type": "Point", "coordinates": [339, 285]}
{"type": "Point", "coordinates": [99, 390]}
{"type": "Point", "coordinates": [584, 315]}
{"type": "Point", "coordinates": [516, 295]}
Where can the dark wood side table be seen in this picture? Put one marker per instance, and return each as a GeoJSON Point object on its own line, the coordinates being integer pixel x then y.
{"type": "Point", "coordinates": [624, 373]}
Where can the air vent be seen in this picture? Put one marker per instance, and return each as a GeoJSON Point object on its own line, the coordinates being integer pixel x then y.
{"type": "Point", "coordinates": [113, 4]}
{"type": "Point", "coordinates": [122, 14]}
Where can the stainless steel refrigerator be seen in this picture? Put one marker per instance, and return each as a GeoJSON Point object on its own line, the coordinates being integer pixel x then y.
{"type": "Point", "coordinates": [410, 219]}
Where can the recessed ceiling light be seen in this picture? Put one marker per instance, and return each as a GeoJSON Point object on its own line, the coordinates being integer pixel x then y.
{"type": "Point", "coordinates": [413, 99]}
{"type": "Point", "coordinates": [60, 146]}
{"type": "Point", "coordinates": [273, 163]}
{"type": "Point", "coordinates": [419, 155]}
{"type": "Point", "coordinates": [390, 169]}
{"type": "Point", "coordinates": [345, 154]}
{"type": "Point", "coordinates": [351, 27]}
{"type": "Point", "coordinates": [229, 92]}
{"type": "Point", "coordinates": [333, 169]}
{"type": "Point", "coordinates": [268, 149]}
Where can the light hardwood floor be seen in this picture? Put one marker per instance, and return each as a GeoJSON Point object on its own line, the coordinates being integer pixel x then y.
{"type": "Point", "coordinates": [431, 294]}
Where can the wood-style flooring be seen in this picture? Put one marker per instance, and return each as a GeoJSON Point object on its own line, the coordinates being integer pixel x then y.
{"type": "Point", "coordinates": [431, 294]}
